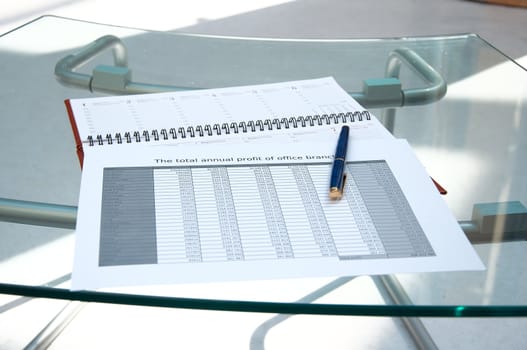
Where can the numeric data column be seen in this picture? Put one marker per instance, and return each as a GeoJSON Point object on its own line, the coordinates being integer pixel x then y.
{"type": "Point", "coordinates": [227, 220]}
{"type": "Point", "coordinates": [174, 192]}
{"type": "Point", "coordinates": [314, 212]}
{"type": "Point", "coordinates": [273, 213]}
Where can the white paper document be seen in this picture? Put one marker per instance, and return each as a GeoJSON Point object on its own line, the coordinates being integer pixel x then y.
{"type": "Point", "coordinates": [205, 213]}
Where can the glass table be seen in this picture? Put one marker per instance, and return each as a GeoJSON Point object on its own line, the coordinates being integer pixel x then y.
{"type": "Point", "coordinates": [466, 121]}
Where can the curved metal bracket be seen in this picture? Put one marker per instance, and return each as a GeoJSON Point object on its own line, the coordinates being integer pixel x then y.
{"type": "Point", "coordinates": [376, 93]}
{"type": "Point", "coordinates": [436, 84]}
{"type": "Point", "coordinates": [65, 67]}
{"type": "Point", "coordinates": [436, 89]}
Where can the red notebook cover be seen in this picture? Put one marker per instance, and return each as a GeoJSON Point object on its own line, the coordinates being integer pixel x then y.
{"type": "Point", "coordinates": [78, 141]}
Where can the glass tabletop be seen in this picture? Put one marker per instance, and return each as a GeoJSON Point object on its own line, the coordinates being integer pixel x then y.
{"type": "Point", "coordinates": [472, 141]}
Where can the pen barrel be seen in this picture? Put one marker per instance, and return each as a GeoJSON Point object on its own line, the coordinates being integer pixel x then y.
{"type": "Point", "coordinates": [337, 174]}
{"type": "Point", "coordinates": [342, 144]}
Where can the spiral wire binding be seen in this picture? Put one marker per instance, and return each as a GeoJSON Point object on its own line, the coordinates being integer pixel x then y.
{"type": "Point", "coordinates": [251, 126]}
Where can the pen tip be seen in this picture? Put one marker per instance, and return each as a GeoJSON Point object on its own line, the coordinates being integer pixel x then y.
{"type": "Point", "coordinates": [335, 194]}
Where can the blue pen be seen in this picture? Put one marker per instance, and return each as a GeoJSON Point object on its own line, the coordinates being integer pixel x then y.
{"type": "Point", "coordinates": [336, 184]}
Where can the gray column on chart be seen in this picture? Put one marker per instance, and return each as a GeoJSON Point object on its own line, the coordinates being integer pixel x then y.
{"type": "Point", "coordinates": [394, 220]}
{"type": "Point", "coordinates": [128, 226]}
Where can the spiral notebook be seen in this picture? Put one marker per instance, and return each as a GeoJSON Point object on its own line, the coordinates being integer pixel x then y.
{"type": "Point", "coordinates": [279, 112]}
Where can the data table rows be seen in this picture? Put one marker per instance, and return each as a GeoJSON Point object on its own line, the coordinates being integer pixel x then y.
{"type": "Point", "coordinates": [241, 212]}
